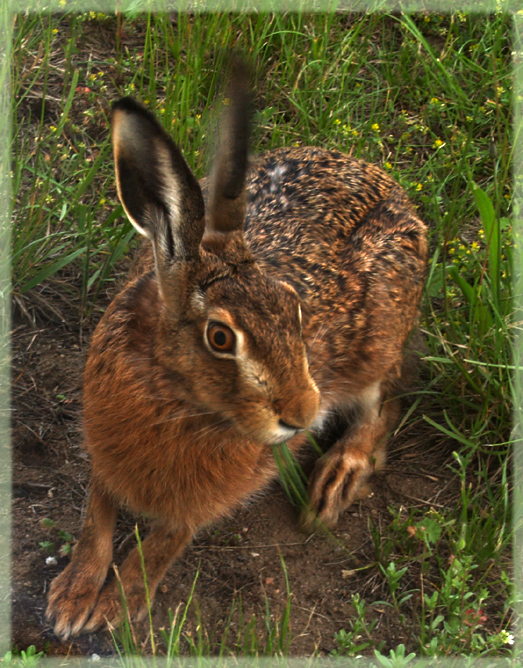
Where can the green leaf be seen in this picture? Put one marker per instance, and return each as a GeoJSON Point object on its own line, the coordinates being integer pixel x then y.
{"type": "Point", "coordinates": [485, 208]}
{"type": "Point", "coordinates": [383, 660]}
{"type": "Point", "coordinates": [468, 291]}
{"type": "Point", "coordinates": [51, 269]}
{"type": "Point", "coordinates": [493, 238]}
{"type": "Point", "coordinates": [430, 529]}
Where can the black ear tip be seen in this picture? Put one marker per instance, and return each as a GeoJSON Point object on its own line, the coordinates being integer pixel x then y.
{"type": "Point", "coordinates": [134, 108]}
{"type": "Point", "coordinates": [127, 104]}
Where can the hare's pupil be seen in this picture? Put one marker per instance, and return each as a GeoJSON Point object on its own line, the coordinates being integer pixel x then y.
{"type": "Point", "coordinates": [220, 339]}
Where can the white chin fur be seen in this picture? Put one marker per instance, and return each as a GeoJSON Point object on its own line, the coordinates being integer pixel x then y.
{"type": "Point", "coordinates": [281, 435]}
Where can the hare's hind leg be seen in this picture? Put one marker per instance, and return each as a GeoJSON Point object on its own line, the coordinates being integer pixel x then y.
{"type": "Point", "coordinates": [73, 593]}
{"type": "Point", "coordinates": [158, 551]}
{"type": "Point", "coordinates": [340, 476]}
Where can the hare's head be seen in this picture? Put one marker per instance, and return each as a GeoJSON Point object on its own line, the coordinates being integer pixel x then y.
{"type": "Point", "coordinates": [231, 334]}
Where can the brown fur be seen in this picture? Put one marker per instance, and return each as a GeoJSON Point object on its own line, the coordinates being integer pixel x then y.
{"type": "Point", "coordinates": [183, 433]}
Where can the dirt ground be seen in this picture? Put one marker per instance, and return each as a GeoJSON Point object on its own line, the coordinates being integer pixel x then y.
{"type": "Point", "coordinates": [238, 560]}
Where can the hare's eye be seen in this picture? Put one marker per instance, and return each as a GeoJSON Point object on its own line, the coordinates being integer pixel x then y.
{"type": "Point", "coordinates": [221, 338]}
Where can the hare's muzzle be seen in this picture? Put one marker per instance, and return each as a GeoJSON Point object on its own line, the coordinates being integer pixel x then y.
{"type": "Point", "coordinates": [299, 411]}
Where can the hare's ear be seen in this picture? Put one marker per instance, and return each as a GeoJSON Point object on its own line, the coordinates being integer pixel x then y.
{"type": "Point", "coordinates": [159, 192]}
{"type": "Point", "coordinates": [227, 199]}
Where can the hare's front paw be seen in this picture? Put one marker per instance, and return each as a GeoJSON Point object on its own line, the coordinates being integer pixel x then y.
{"type": "Point", "coordinates": [338, 479]}
{"type": "Point", "coordinates": [109, 609]}
{"type": "Point", "coordinates": [72, 597]}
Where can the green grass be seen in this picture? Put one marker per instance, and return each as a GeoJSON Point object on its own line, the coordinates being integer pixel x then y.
{"type": "Point", "coordinates": [427, 97]}
{"type": "Point", "coordinates": [255, 637]}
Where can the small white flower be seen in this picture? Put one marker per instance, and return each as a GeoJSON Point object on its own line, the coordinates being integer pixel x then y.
{"type": "Point", "coordinates": [95, 657]}
{"type": "Point", "coordinates": [51, 561]}
{"type": "Point", "coordinates": [507, 637]}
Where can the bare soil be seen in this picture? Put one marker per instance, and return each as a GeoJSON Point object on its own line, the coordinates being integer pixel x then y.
{"type": "Point", "coordinates": [238, 561]}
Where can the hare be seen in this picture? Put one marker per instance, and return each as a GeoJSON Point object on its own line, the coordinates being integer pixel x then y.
{"type": "Point", "coordinates": [272, 297]}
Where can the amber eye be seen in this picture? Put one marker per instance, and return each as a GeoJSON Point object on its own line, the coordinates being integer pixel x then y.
{"type": "Point", "coordinates": [221, 338]}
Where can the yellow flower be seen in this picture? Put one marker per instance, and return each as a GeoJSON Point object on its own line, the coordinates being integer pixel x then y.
{"type": "Point", "coordinates": [437, 143]}
{"type": "Point", "coordinates": [388, 165]}
{"type": "Point", "coordinates": [375, 127]}
{"type": "Point", "coordinates": [419, 186]}
{"type": "Point", "coordinates": [337, 121]}
{"type": "Point", "coordinates": [434, 100]}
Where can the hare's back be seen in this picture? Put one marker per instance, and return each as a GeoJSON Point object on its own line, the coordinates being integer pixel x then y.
{"type": "Point", "coordinates": [309, 200]}
{"type": "Point", "coordinates": [314, 215]}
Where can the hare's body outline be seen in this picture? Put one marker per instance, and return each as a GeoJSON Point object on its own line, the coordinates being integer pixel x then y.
{"type": "Point", "coordinates": [334, 244]}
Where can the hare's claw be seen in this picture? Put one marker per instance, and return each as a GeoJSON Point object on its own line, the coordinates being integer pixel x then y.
{"type": "Point", "coordinates": [338, 479]}
{"type": "Point", "coordinates": [72, 597]}
{"type": "Point", "coordinates": [109, 609]}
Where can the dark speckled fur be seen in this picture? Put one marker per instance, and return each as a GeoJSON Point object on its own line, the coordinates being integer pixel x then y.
{"type": "Point", "coordinates": [315, 262]}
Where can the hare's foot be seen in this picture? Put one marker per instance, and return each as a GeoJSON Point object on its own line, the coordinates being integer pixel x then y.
{"type": "Point", "coordinates": [158, 550]}
{"type": "Point", "coordinates": [71, 599]}
{"type": "Point", "coordinates": [73, 593]}
{"type": "Point", "coordinates": [340, 476]}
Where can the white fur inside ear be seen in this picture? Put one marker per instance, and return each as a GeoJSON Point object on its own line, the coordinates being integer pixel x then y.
{"type": "Point", "coordinates": [127, 133]}
{"type": "Point", "coordinates": [169, 187]}
{"type": "Point", "coordinates": [137, 227]}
